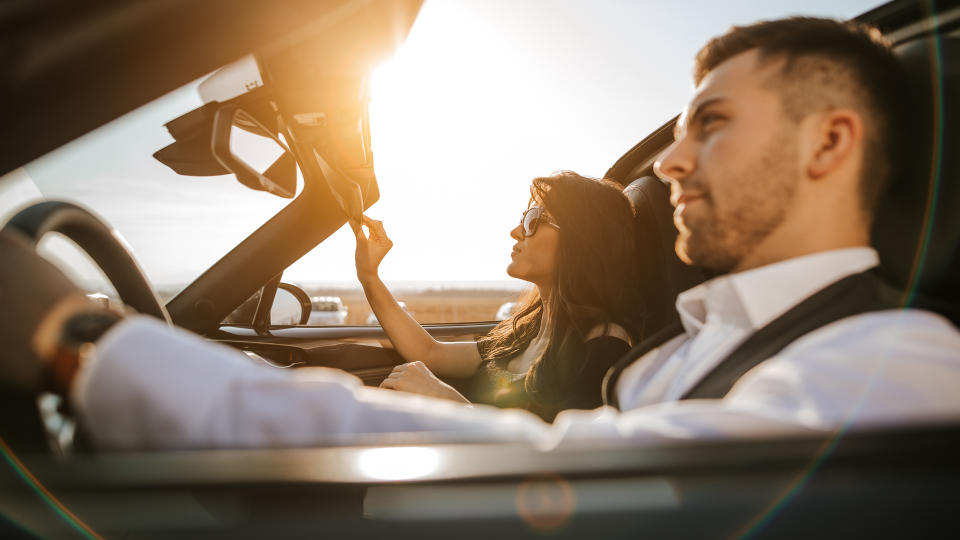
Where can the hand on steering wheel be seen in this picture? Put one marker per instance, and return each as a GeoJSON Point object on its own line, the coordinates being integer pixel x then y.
{"type": "Point", "coordinates": [36, 295]}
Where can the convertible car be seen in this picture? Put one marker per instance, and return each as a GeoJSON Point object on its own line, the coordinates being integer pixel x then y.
{"type": "Point", "coordinates": [301, 86]}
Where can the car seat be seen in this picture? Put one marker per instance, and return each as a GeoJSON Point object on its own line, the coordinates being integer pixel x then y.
{"type": "Point", "coordinates": [656, 235]}
{"type": "Point", "coordinates": [917, 226]}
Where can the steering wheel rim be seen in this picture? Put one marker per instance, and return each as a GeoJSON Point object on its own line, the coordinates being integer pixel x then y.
{"type": "Point", "coordinates": [100, 241]}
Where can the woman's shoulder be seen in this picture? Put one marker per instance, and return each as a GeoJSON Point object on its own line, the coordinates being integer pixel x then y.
{"type": "Point", "coordinates": [606, 332]}
{"type": "Point", "coordinates": [604, 345]}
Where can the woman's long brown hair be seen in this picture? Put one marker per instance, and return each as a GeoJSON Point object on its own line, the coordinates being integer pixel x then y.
{"type": "Point", "coordinates": [599, 281]}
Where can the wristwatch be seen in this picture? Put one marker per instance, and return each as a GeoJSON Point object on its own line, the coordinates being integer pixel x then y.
{"type": "Point", "coordinates": [76, 342]}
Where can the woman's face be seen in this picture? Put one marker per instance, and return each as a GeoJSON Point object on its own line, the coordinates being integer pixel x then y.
{"type": "Point", "coordinates": [534, 258]}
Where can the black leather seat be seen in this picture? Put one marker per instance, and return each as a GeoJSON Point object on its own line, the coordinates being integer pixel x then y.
{"type": "Point", "coordinates": [917, 228]}
{"type": "Point", "coordinates": [656, 235]}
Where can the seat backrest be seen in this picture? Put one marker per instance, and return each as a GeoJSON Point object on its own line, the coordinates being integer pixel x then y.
{"type": "Point", "coordinates": [917, 227]}
{"type": "Point", "coordinates": [656, 236]}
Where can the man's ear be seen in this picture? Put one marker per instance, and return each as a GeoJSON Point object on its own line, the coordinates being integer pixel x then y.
{"type": "Point", "coordinates": [836, 137]}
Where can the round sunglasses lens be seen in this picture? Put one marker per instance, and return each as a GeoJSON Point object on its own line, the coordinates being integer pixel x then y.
{"type": "Point", "coordinates": [531, 218]}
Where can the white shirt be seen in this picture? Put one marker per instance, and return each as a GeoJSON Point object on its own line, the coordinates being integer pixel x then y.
{"type": "Point", "coordinates": [151, 386]}
{"type": "Point", "coordinates": [720, 314]}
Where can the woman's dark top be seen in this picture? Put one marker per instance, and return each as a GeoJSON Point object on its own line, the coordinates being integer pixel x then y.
{"type": "Point", "coordinates": [494, 385]}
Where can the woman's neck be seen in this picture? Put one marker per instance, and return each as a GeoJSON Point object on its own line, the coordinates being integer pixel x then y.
{"type": "Point", "coordinates": [522, 362]}
{"type": "Point", "coordinates": [546, 316]}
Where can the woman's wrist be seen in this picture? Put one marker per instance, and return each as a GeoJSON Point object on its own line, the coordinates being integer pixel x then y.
{"type": "Point", "coordinates": [368, 278]}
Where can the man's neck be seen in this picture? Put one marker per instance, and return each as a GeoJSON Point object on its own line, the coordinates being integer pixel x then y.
{"type": "Point", "coordinates": [757, 260]}
{"type": "Point", "coordinates": [791, 242]}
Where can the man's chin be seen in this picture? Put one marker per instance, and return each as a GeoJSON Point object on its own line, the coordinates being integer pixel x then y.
{"type": "Point", "coordinates": [682, 252]}
{"type": "Point", "coordinates": [697, 253]}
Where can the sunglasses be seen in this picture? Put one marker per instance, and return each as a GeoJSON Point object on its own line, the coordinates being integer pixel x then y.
{"type": "Point", "coordinates": [531, 220]}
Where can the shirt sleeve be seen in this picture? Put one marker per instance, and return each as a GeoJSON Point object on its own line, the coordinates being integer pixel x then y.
{"type": "Point", "coordinates": [152, 386]}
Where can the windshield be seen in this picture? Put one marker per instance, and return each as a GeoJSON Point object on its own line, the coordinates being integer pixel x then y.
{"type": "Point", "coordinates": [176, 226]}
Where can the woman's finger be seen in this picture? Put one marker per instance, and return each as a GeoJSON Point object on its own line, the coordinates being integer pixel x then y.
{"type": "Point", "coordinates": [397, 370]}
{"type": "Point", "coordinates": [369, 222]}
{"type": "Point", "coordinates": [375, 227]}
{"type": "Point", "coordinates": [355, 225]}
{"type": "Point", "coordinates": [376, 236]}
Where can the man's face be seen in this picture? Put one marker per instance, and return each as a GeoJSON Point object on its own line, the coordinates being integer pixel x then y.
{"type": "Point", "coordinates": [733, 168]}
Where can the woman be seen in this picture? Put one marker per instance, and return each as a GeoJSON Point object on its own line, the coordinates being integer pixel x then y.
{"type": "Point", "coordinates": [576, 245]}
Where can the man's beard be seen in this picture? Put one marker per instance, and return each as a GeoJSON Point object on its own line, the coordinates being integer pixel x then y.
{"type": "Point", "coordinates": [755, 204]}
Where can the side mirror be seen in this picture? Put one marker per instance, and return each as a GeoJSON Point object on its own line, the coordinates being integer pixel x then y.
{"type": "Point", "coordinates": [288, 305]}
{"type": "Point", "coordinates": [280, 178]}
{"type": "Point", "coordinates": [286, 310]}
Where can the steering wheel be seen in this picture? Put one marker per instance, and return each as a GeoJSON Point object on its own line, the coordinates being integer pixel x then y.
{"type": "Point", "coordinates": [101, 242]}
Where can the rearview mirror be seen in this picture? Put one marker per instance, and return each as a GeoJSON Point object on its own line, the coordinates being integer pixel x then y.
{"type": "Point", "coordinates": [279, 178]}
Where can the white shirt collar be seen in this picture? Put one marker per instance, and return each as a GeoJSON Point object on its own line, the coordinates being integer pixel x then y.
{"type": "Point", "coordinates": [760, 295]}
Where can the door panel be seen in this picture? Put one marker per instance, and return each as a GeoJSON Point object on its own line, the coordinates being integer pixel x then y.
{"type": "Point", "coordinates": [362, 351]}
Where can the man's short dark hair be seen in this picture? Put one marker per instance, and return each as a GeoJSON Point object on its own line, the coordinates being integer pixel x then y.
{"type": "Point", "coordinates": [830, 64]}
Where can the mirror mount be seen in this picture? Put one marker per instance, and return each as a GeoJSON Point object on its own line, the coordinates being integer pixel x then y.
{"type": "Point", "coordinates": [345, 190]}
{"type": "Point", "coordinates": [261, 318]}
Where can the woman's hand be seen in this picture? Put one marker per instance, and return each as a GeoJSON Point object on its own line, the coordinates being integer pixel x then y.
{"type": "Point", "coordinates": [371, 249]}
{"type": "Point", "coordinates": [416, 378]}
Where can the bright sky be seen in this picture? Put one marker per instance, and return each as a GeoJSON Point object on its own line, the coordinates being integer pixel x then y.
{"type": "Point", "coordinates": [483, 96]}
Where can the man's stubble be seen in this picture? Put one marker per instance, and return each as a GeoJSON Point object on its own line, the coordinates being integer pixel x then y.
{"type": "Point", "coordinates": [741, 208]}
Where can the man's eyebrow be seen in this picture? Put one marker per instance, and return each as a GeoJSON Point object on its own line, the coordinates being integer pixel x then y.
{"type": "Point", "coordinates": [691, 115]}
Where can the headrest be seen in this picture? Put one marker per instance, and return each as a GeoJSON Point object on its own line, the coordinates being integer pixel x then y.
{"type": "Point", "coordinates": [917, 227]}
{"type": "Point", "coordinates": [650, 198]}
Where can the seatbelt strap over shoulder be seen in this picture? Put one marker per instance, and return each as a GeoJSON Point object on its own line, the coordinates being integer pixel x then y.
{"type": "Point", "coordinates": [852, 295]}
{"type": "Point", "coordinates": [609, 388]}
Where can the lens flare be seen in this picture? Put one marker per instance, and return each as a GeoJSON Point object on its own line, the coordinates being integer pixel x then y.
{"type": "Point", "coordinates": [546, 503]}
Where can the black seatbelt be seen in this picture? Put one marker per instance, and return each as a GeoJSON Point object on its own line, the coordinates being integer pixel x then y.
{"type": "Point", "coordinates": [609, 388]}
{"type": "Point", "coordinates": [852, 295]}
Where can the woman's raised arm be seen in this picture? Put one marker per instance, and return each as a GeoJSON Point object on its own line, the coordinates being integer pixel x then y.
{"type": "Point", "coordinates": [407, 336]}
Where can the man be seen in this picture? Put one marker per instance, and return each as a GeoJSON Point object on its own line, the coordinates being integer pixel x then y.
{"type": "Point", "coordinates": [776, 169]}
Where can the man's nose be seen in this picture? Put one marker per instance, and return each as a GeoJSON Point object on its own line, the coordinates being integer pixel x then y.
{"type": "Point", "coordinates": [676, 162]}
{"type": "Point", "coordinates": [517, 233]}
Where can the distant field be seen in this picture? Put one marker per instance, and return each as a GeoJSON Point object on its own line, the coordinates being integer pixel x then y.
{"type": "Point", "coordinates": [430, 306]}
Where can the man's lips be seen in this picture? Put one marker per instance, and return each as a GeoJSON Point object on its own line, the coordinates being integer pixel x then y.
{"type": "Point", "coordinates": [684, 201]}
